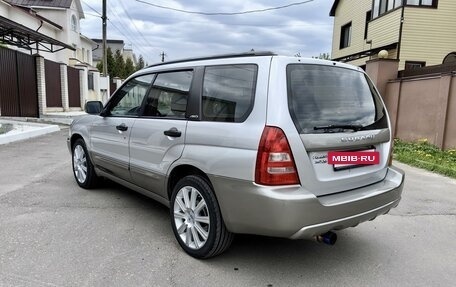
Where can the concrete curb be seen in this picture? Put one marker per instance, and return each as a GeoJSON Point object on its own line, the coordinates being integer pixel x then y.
{"type": "Point", "coordinates": [40, 130]}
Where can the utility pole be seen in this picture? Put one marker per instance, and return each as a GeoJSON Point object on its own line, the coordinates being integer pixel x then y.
{"type": "Point", "coordinates": [105, 54]}
{"type": "Point", "coordinates": [163, 55]}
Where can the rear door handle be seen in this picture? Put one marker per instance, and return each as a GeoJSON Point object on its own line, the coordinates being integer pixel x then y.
{"type": "Point", "coordinates": [172, 132]}
{"type": "Point", "coordinates": [122, 127]}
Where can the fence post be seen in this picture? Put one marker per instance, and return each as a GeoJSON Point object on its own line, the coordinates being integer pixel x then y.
{"type": "Point", "coordinates": [381, 71]}
{"type": "Point", "coordinates": [64, 87]}
{"type": "Point", "coordinates": [117, 81]}
{"type": "Point", "coordinates": [392, 98]}
{"type": "Point", "coordinates": [104, 88]}
{"type": "Point", "coordinates": [443, 101]}
{"type": "Point", "coordinates": [96, 84]}
{"type": "Point", "coordinates": [41, 84]}
{"type": "Point", "coordinates": [83, 84]}
{"type": "Point", "coordinates": [449, 141]}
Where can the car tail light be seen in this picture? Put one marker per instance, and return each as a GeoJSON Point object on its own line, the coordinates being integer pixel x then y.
{"type": "Point", "coordinates": [275, 164]}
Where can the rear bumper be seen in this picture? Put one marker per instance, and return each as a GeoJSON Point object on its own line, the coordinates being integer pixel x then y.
{"type": "Point", "coordinates": [294, 212]}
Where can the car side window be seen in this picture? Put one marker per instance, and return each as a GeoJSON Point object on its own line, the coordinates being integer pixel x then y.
{"type": "Point", "coordinates": [128, 99]}
{"type": "Point", "coordinates": [169, 94]}
{"type": "Point", "coordinates": [228, 92]}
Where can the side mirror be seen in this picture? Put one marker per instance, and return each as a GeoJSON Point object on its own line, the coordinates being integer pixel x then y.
{"type": "Point", "coordinates": [93, 107]}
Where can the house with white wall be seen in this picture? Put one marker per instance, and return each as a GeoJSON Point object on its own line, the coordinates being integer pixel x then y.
{"type": "Point", "coordinates": [114, 45]}
{"type": "Point", "coordinates": [59, 19]}
{"type": "Point", "coordinates": [46, 35]}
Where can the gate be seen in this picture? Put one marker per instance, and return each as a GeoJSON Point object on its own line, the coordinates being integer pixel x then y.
{"type": "Point", "coordinates": [53, 81]}
{"type": "Point", "coordinates": [112, 87]}
{"type": "Point", "coordinates": [74, 90]}
{"type": "Point", "coordinates": [18, 88]}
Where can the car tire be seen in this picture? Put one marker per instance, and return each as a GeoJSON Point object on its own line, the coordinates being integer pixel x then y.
{"type": "Point", "coordinates": [196, 218]}
{"type": "Point", "coordinates": [83, 169]}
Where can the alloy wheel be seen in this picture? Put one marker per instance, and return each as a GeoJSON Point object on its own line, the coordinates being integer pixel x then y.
{"type": "Point", "coordinates": [80, 163]}
{"type": "Point", "coordinates": [191, 217]}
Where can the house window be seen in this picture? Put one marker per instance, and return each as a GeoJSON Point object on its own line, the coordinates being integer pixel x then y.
{"type": "Point", "coordinates": [380, 7]}
{"type": "Point", "coordinates": [383, 6]}
{"type": "Point", "coordinates": [368, 18]}
{"type": "Point", "coordinates": [90, 81]}
{"type": "Point", "coordinates": [74, 23]}
{"type": "Point", "coordinates": [345, 35]}
{"type": "Point", "coordinates": [376, 8]}
{"type": "Point", "coordinates": [390, 5]}
{"type": "Point", "coordinates": [410, 65]}
{"type": "Point", "coordinates": [431, 3]}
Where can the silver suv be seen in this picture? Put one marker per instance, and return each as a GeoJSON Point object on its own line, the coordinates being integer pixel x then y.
{"type": "Point", "coordinates": [249, 143]}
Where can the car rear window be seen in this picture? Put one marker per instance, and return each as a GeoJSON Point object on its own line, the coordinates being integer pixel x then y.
{"type": "Point", "coordinates": [322, 96]}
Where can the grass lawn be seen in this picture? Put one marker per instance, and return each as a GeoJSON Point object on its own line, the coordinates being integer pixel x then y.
{"type": "Point", "coordinates": [424, 155]}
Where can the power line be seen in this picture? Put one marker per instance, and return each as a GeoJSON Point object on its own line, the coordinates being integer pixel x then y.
{"type": "Point", "coordinates": [133, 43]}
{"type": "Point", "coordinates": [226, 13]}
{"type": "Point", "coordinates": [133, 22]}
{"type": "Point", "coordinates": [91, 8]}
{"type": "Point", "coordinates": [126, 26]}
{"type": "Point", "coordinates": [128, 38]}
{"type": "Point", "coordinates": [90, 14]}
{"type": "Point", "coordinates": [260, 25]}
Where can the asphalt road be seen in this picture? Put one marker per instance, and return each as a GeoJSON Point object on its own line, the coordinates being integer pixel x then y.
{"type": "Point", "coordinates": [52, 233]}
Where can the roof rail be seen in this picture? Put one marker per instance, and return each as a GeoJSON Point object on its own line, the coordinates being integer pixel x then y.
{"type": "Point", "coordinates": [224, 56]}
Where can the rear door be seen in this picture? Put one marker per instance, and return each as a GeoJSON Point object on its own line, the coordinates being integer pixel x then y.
{"type": "Point", "coordinates": [334, 108]}
{"type": "Point", "coordinates": [158, 136]}
{"type": "Point", "coordinates": [110, 133]}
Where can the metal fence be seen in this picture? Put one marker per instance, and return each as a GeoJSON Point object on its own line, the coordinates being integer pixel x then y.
{"type": "Point", "coordinates": [429, 70]}
{"type": "Point", "coordinates": [53, 82]}
{"type": "Point", "coordinates": [18, 85]}
{"type": "Point", "coordinates": [74, 90]}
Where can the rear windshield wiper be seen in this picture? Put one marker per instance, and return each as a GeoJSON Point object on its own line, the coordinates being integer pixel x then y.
{"type": "Point", "coordinates": [330, 128]}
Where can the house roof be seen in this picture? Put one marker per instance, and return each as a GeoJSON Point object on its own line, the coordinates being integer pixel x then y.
{"type": "Point", "coordinates": [110, 41]}
{"type": "Point", "coordinates": [43, 3]}
{"type": "Point", "coordinates": [33, 13]}
{"type": "Point", "coordinates": [65, 4]}
{"type": "Point", "coordinates": [19, 35]}
{"type": "Point", "coordinates": [333, 8]}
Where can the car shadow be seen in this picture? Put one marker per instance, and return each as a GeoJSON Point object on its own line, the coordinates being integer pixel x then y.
{"type": "Point", "coordinates": [261, 254]}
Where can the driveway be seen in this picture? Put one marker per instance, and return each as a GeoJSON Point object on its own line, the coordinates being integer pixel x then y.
{"type": "Point", "coordinates": [52, 233]}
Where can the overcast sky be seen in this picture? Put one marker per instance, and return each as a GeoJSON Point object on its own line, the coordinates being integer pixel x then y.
{"type": "Point", "coordinates": [304, 29]}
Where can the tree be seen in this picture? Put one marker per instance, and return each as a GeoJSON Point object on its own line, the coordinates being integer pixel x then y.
{"type": "Point", "coordinates": [129, 68]}
{"type": "Point", "coordinates": [100, 67]}
{"type": "Point", "coordinates": [323, 56]}
{"type": "Point", "coordinates": [119, 65]}
{"type": "Point", "coordinates": [140, 64]}
{"type": "Point", "coordinates": [110, 60]}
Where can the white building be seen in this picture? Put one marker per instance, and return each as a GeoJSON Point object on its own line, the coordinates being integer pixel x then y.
{"type": "Point", "coordinates": [115, 45]}
{"type": "Point", "coordinates": [57, 19]}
